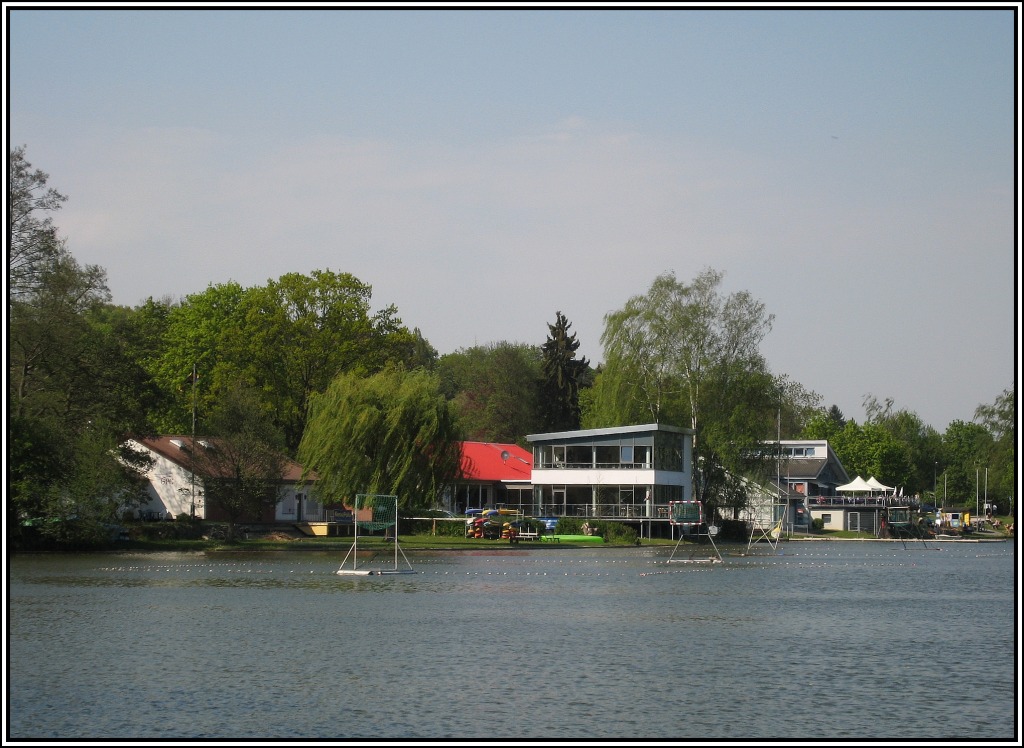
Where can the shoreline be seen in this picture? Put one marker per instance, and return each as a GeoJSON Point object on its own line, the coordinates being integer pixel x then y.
{"type": "Point", "coordinates": [412, 544]}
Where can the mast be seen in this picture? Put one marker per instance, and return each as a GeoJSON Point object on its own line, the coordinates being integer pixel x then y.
{"type": "Point", "coordinates": [192, 451]}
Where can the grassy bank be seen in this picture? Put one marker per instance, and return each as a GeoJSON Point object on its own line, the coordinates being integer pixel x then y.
{"type": "Point", "coordinates": [157, 538]}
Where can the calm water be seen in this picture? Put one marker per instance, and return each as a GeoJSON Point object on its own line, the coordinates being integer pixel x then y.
{"type": "Point", "coordinates": [820, 641]}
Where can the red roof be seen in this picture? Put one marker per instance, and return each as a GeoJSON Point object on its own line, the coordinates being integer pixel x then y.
{"type": "Point", "coordinates": [487, 461]}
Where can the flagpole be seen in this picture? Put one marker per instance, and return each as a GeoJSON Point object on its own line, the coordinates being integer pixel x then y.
{"type": "Point", "coordinates": [192, 452]}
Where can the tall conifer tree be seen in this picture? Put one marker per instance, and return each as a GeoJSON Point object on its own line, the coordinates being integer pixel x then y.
{"type": "Point", "coordinates": [562, 375]}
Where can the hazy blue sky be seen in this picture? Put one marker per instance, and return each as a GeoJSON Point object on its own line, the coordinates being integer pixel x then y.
{"type": "Point", "coordinates": [482, 169]}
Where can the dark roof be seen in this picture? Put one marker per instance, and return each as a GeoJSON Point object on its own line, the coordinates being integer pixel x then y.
{"type": "Point", "coordinates": [168, 446]}
{"type": "Point", "coordinates": [807, 467]}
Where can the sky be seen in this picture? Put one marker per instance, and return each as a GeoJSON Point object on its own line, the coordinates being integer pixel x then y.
{"type": "Point", "coordinates": [852, 167]}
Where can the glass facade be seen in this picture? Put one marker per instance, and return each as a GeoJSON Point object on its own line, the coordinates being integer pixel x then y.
{"type": "Point", "coordinates": [628, 472]}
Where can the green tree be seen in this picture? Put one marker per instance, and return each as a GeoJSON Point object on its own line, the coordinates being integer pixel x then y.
{"type": "Point", "coordinates": [199, 333]}
{"type": "Point", "coordinates": [687, 353]}
{"type": "Point", "coordinates": [871, 450]}
{"type": "Point", "coordinates": [965, 447]}
{"type": "Point", "coordinates": [301, 331]}
{"type": "Point", "coordinates": [562, 377]}
{"type": "Point", "coordinates": [824, 425]}
{"type": "Point", "coordinates": [392, 433]}
{"type": "Point", "coordinates": [494, 390]}
{"type": "Point", "coordinates": [243, 464]}
{"type": "Point", "coordinates": [679, 338]}
{"type": "Point", "coordinates": [91, 488]}
{"type": "Point", "coordinates": [798, 406]}
{"type": "Point", "coordinates": [287, 339]}
{"type": "Point", "coordinates": [72, 389]}
{"type": "Point", "coordinates": [33, 245]}
{"type": "Point", "coordinates": [922, 444]}
{"type": "Point", "coordinates": [48, 334]}
{"type": "Point", "coordinates": [999, 419]}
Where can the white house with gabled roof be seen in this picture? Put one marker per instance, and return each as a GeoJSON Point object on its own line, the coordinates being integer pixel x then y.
{"type": "Point", "coordinates": [174, 489]}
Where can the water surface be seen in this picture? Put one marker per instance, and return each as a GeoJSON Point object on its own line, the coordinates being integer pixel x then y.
{"type": "Point", "coordinates": [819, 641]}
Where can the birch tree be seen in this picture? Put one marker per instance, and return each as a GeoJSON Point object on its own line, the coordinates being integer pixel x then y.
{"type": "Point", "coordinates": [678, 340]}
{"type": "Point", "coordinates": [682, 351]}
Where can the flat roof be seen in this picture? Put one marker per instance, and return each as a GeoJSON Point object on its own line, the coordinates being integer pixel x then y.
{"type": "Point", "coordinates": [641, 429]}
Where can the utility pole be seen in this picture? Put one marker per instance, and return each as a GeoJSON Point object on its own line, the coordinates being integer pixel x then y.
{"type": "Point", "coordinates": [192, 462]}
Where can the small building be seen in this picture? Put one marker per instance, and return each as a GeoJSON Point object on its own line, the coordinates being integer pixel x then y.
{"type": "Point", "coordinates": [773, 505]}
{"type": "Point", "coordinates": [810, 467]}
{"type": "Point", "coordinates": [806, 471]}
{"type": "Point", "coordinates": [175, 489]}
{"type": "Point", "coordinates": [494, 475]}
{"type": "Point", "coordinates": [622, 472]}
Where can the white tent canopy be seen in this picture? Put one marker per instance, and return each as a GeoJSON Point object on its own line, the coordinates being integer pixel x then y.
{"type": "Point", "coordinates": [857, 484]}
{"type": "Point", "coordinates": [877, 486]}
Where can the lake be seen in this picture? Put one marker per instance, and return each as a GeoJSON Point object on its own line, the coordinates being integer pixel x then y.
{"type": "Point", "coordinates": [824, 640]}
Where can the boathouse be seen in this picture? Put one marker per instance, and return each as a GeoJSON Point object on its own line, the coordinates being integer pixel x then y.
{"type": "Point", "coordinates": [625, 472]}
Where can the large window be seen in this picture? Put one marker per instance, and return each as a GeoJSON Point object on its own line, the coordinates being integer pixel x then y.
{"type": "Point", "coordinates": [668, 452]}
{"type": "Point", "coordinates": [606, 456]}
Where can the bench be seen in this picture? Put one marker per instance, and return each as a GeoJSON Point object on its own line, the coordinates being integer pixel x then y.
{"type": "Point", "coordinates": [527, 535]}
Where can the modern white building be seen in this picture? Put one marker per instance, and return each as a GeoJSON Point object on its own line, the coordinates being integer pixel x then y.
{"type": "Point", "coordinates": [623, 472]}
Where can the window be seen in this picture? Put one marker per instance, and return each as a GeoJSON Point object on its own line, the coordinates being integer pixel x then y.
{"type": "Point", "coordinates": [288, 506]}
{"type": "Point", "coordinates": [642, 456]}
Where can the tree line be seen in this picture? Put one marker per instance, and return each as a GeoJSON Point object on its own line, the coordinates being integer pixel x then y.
{"type": "Point", "coordinates": [304, 366]}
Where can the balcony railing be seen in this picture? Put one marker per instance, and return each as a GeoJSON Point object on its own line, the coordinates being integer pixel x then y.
{"type": "Point", "coordinates": [589, 465]}
{"type": "Point", "coordinates": [598, 511]}
{"type": "Point", "coordinates": [813, 502]}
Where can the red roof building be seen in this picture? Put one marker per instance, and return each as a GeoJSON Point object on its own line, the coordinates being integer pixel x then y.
{"type": "Point", "coordinates": [494, 475]}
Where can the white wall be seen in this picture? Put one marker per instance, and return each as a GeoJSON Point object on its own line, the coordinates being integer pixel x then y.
{"type": "Point", "coordinates": [287, 509]}
{"type": "Point", "coordinates": [170, 492]}
{"type": "Point", "coordinates": [606, 477]}
{"type": "Point", "coordinates": [170, 488]}
{"type": "Point", "coordinates": [837, 517]}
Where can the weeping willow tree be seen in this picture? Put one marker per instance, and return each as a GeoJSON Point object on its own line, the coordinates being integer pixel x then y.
{"type": "Point", "coordinates": [390, 433]}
